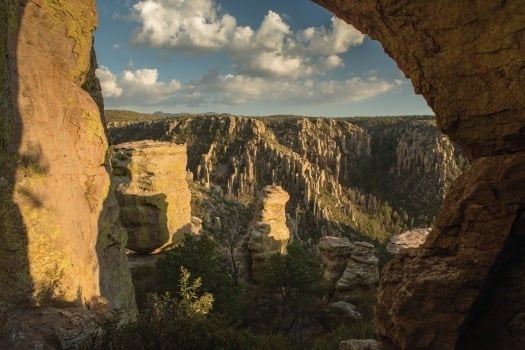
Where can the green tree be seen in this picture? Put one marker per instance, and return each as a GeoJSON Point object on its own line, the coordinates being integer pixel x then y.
{"type": "Point", "coordinates": [202, 257]}
{"type": "Point", "coordinates": [291, 291]}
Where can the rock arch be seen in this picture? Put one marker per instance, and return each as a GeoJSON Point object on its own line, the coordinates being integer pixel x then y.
{"type": "Point", "coordinates": [467, 58]}
{"type": "Point", "coordinates": [465, 288]}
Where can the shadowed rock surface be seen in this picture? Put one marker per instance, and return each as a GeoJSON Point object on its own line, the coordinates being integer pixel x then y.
{"type": "Point", "coordinates": [350, 269]}
{"type": "Point", "coordinates": [152, 192]}
{"type": "Point", "coordinates": [463, 289]}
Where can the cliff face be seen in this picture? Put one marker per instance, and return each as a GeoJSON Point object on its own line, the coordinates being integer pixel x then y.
{"type": "Point", "coordinates": [152, 192]}
{"type": "Point", "coordinates": [343, 176]}
{"type": "Point", "coordinates": [52, 149]}
{"type": "Point", "coordinates": [464, 289]}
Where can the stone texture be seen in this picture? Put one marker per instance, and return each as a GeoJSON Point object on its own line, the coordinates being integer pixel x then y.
{"type": "Point", "coordinates": [52, 151]}
{"type": "Point", "coordinates": [51, 328]}
{"type": "Point", "coordinates": [361, 275]}
{"type": "Point", "coordinates": [359, 344]}
{"type": "Point", "coordinates": [409, 239]}
{"type": "Point", "coordinates": [268, 233]}
{"type": "Point", "coordinates": [153, 193]}
{"type": "Point", "coordinates": [350, 269]}
{"type": "Point", "coordinates": [462, 289]}
{"type": "Point", "coordinates": [334, 252]}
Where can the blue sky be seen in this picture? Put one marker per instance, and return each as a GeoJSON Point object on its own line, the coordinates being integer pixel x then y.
{"type": "Point", "coordinates": [247, 57]}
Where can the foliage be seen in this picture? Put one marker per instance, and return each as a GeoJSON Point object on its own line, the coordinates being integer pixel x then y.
{"type": "Point", "coordinates": [202, 257]}
{"type": "Point", "coordinates": [188, 304]}
{"type": "Point", "coordinates": [288, 293]}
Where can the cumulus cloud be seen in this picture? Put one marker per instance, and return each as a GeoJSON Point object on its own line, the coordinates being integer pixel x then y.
{"type": "Point", "coordinates": [108, 82]}
{"type": "Point", "coordinates": [189, 25]}
{"type": "Point", "coordinates": [272, 49]}
{"type": "Point", "coordinates": [141, 85]}
{"type": "Point", "coordinates": [142, 88]}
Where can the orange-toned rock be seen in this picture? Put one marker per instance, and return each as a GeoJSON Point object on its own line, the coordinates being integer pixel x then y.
{"type": "Point", "coordinates": [268, 234]}
{"type": "Point", "coordinates": [153, 193]}
{"type": "Point", "coordinates": [55, 188]}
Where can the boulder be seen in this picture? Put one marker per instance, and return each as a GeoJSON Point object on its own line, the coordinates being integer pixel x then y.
{"type": "Point", "coordinates": [408, 239]}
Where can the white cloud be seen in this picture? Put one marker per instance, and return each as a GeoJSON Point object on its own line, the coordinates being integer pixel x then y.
{"type": "Point", "coordinates": [108, 82]}
{"type": "Point", "coordinates": [142, 88]}
{"type": "Point", "coordinates": [190, 25]}
{"type": "Point", "coordinates": [271, 50]}
{"type": "Point", "coordinates": [322, 41]}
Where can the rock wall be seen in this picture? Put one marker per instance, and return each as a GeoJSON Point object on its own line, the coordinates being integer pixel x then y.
{"type": "Point", "coordinates": [464, 288]}
{"type": "Point", "coordinates": [53, 177]}
{"type": "Point", "coordinates": [268, 233]}
{"type": "Point", "coordinates": [350, 269]}
{"type": "Point", "coordinates": [343, 176]}
{"type": "Point", "coordinates": [153, 194]}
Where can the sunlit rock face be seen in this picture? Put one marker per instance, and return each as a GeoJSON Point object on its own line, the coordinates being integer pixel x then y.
{"type": "Point", "coordinates": [268, 234]}
{"type": "Point", "coordinates": [408, 239]}
{"type": "Point", "coordinates": [152, 192]}
{"type": "Point", "coordinates": [58, 235]}
{"type": "Point", "coordinates": [464, 287]}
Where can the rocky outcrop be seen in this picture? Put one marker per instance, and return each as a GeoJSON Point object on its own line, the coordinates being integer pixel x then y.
{"type": "Point", "coordinates": [52, 328]}
{"type": "Point", "coordinates": [152, 192]}
{"type": "Point", "coordinates": [268, 234]}
{"type": "Point", "coordinates": [409, 239]}
{"type": "Point", "coordinates": [53, 178]}
{"type": "Point", "coordinates": [359, 344]}
{"type": "Point", "coordinates": [463, 288]}
{"type": "Point", "coordinates": [344, 176]}
{"type": "Point", "coordinates": [350, 269]}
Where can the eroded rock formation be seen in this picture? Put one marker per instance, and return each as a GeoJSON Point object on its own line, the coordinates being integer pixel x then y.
{"type": "Point", "coordinates": [464, 288]}
{"type": "Point", "coordinates": [371, 177]}
{"type": "Point", "coordinates": [350, 269]}
{"type": "Point", "coordinates": [61, 242]}
{"type": "Point", "coordinates": [152, 192]}
{"type": "Point", "coordinates": [268, 234]}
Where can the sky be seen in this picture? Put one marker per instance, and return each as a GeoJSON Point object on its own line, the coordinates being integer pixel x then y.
{"type": "Point", "coordinates": [248, 57]}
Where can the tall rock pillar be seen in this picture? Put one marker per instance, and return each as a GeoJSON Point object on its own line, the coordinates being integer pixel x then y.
{"type": "Point", "coordinates": [53, 178]}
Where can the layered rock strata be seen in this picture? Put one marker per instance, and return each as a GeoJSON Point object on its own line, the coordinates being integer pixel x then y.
{"type": "Point", "coordinates": [268, 234]}
{"type": "Point", "coordinates": [463, 288]}
{"type": "Point", "coordinates": [350, 269]}
{"type": "Point", "coordinates": [53, 177]}
{"type": "Point", "coordinates": [152, 192]}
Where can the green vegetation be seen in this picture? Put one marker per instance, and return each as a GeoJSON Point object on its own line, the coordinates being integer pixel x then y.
{"type": "Point", "coordinates": [186, 313]}
{"type": "Point", "coordinates": [117, 115]}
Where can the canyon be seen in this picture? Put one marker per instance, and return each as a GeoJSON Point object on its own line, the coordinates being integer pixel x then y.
{"type": "Point", "coordinates": [369, 177]}
{"type": "Point", "coordinates": [64, 245]}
